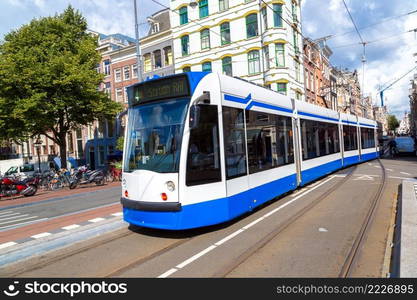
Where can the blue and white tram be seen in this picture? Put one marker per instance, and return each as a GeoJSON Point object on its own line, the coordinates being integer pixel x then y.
{"type": "Point", "coordinates": [203, 148]}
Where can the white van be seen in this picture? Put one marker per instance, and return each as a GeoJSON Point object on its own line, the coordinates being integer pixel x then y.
{"type": "Point", "coordinates": [26, 170]}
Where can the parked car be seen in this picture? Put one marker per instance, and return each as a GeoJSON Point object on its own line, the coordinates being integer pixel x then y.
{"type": "Point", "coordinates": [405, 144]}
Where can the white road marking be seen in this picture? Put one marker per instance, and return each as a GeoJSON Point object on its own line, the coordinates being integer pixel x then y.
{"type": "Point", "coordinates": [389, 170]}
{"type": "Point", "coordinates": [321, 229]}
{"type": "Point", "coordinates": [1, 219]}
{"type": "Point", "coordinates": [237, 232]}
{"type": "Point", "coordinates": [228, 237]}
{"type": "Point", "coordinates": [396, 177]}
{"type": "Point", "coordinates": [6, 212]}
{"type": "Point", "coordinates": [41, 235]}
{"type": "Point", "coordinates": [364, 177]}
{"type": "Point", "coordinates": [167, 273]}
{"type": "Point", "coordinates": [9, 214]}
{"type": "Point", "coordinates": [19, 220]}
{"type": "Point", "coordinates": [117, 214]}
{"type": "Point", "coordinates": [376, 166]}
{"type": "Point", "coordinates": [69, 227]}
{"type": "Point", "coordinates": [196, 256]}
{"type": "Point", "coordinates": [8, 244]}
{"type": "Point", "coordinates": [96, 220]}
{"type": "Point", "coordinates": [405, 173]}
{"type": "Point", "coordinates": [24, 223]}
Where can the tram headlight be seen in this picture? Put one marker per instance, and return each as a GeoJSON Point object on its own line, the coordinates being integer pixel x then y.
{"type": "Point", "coordinates": [170, 186]}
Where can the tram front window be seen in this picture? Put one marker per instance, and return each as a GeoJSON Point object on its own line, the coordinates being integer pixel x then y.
{"type": "Point", "coordinates": [154, 136]}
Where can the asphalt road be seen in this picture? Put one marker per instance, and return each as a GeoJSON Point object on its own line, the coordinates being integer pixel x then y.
{"type": "Point", "coordinates": [277, 240]}
{"type": "Point", "coordinates": [20, 215]}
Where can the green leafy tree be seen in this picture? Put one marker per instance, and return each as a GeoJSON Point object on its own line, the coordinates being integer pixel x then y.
{"type": "Point", "coordinates": [392, 123]}
{"type": "Point", "coordinates": [48, 80]}
{"type": "Point", "coordinates": [120, 143]}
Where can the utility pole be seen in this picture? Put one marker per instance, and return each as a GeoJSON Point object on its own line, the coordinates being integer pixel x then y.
{"type": "Point", "coordinates": [138, 54]}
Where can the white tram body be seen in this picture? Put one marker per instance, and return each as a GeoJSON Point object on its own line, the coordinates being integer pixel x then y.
{"type": "Point", "coordinates": [203, 148]}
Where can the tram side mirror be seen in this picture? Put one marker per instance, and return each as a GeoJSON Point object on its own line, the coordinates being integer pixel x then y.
{"type": "Point", "coordinates": [194, 116]}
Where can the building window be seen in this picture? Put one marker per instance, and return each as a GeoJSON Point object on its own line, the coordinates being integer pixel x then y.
{"type": "Point", "coordinates": [280, 55]}
{"type": "Point", "coordinates": [168, 55]}
{"type": "Point", "coordinates": [205, 39]}
{"type": "Point", "coordinates": [119, 95]}
{"type": "Point", "coordinates": [282, 88]}
{"type": "Point", "coordinates": [157, 59]}
{"type": "Point", "coordinates": [186, 69]}
{"type": "Point", "coordinates": [295, 39]}
{"type": "Point", "coordinates": [135, 71]}
{"type": "Point", "coordinates": [125, 95]}
{"type": "Point", "coordinates": [266, 56]}
{"type": "Point", "coordinates": [155, 27]}
{"type": "Point", "coordinates": [206, 67]}
{"type": "Point", "coordinates": [298, 96]}
{"type": "Point", "coordinates": [253, 62]}
{"type": "Point", "coordinates": [107, 88]}
{"type": "Point", "coordinates": [118, 75]}
{"type": "Point", "coordinates": [225, 33]}
{"type": "Point", "coordinates": [297, 70]}
{"type": "Point", "coordinates": [126, 72]}
{"type": "Point", "coordinates": [234, 142]}
{"type": "Point", "coordinates": [265, 18]}
{"type": "Point", "coordinates": [294, 12]}
{"type": "Point", "coordinates": [107, 67]}
{"type": "Point", "coordinates": [101, 128]}
{"type": "Point", "coordinates": [227, 65]}
{"type": "Point", "coordinates": [203, 160]}
{"type": "Point", "coordinates": [277, 15]}
{"type": "Point", "coordinates": [185, 45]}
{"type": "Point", "coordinates": [183, 15]}
{"type": "Point", "coordinates": [251, 25]}
{"type": "Point", "coordinates": [147, 66]}
{"type": "Point", "coordinates": [203, 8]}
{"type": "Point", "coordinates": [223, 5]}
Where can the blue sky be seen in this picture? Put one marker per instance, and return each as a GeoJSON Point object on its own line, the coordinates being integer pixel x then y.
{"type": "Point", "coordinates": [386, 60]}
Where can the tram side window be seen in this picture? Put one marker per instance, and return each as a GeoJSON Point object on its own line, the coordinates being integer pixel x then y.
{"type": "Point", "coordinates": [350, 138]}
{"type": "Point", "coordinates": [203, 161]}
{"type": "Point", "coordinates": [319, 139]}
{"type": "Point", "coordinates": [269, 140]}
{"type": "Point", "coordinates": [234, 142]}
{"type": "Point", "coordinates": [368, 138]}
{"type": "Point", "coordinates": [310, 139]}
{"type": "Point", "coordinates": [285, 147]}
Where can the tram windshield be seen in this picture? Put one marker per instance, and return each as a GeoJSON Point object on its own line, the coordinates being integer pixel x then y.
{"type": "Point", "coordinates": [154, 136]}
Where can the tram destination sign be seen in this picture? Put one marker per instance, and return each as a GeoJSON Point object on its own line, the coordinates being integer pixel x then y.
{"type": "Point", "coordinates": [165, 88]}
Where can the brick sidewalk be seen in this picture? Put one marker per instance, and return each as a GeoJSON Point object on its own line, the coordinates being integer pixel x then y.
{"type": "Point", "coordinates": [45, 195]}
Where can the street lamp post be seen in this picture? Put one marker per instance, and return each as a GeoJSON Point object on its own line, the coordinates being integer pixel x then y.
{"type": "Point", "coordinates": [38, 144]}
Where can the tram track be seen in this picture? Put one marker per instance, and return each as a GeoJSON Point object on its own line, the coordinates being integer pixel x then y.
{"type": "Point", "coordinates": [225, 271]}
{"type": "Point", "coordinates": [354, 252]}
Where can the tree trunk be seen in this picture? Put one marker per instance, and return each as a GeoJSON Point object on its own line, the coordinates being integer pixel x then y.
{"type": "Point", "coordinates": [63, 150]}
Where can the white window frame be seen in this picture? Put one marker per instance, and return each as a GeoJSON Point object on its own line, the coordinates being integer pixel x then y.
{"type": "Point", "coordinates": [124, 73]}
{"type": "Point", "coordinates": [118, 75]}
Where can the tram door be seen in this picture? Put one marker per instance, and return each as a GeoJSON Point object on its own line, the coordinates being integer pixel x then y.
{"type": "Point", "coordinates": [235, 151]}
{"type": "Point", "coordinates": [297, 148]}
